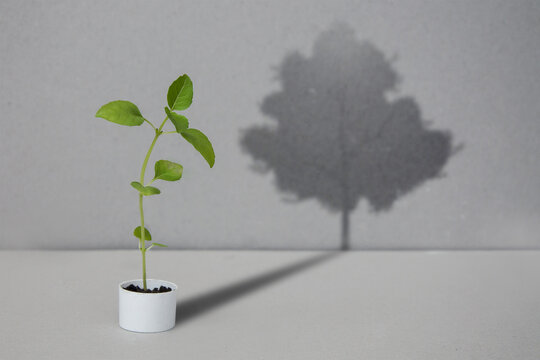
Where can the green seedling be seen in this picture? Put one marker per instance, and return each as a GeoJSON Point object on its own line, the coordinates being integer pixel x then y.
{"type": "Point", "coordinates": [179, 97]}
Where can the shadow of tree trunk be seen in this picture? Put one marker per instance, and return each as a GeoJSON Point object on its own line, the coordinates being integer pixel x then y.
{"type": "Point", "coordinates": [201, 304]}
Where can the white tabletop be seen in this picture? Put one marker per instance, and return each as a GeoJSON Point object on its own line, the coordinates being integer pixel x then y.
{"type": "Point", "coordinates": [277, 305]}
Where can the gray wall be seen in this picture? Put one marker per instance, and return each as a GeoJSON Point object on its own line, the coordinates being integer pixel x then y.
{"type": "Point", "coordinates": [471, 66]}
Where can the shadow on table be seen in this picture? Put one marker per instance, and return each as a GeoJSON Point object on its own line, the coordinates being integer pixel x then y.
{"type": "Point", "coordinates": [198, 305]}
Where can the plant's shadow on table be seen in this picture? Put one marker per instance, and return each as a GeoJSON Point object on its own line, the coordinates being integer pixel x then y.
{"type": "Point", "coordinates": [192, 307]}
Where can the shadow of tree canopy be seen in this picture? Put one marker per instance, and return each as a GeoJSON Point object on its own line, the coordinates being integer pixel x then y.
{"type": "Point", "coordinates": [338, 137]}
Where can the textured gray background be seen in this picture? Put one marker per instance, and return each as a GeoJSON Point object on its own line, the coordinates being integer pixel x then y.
{"type": "Point", "coordinates": [471, 65]}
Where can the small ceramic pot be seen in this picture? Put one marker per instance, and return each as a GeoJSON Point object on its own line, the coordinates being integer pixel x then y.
{"type": "Point", "coordinates": [147, 312]}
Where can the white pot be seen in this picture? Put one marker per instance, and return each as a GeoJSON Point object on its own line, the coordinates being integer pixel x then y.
{"type": "Point", "coordinates": [147, 312]}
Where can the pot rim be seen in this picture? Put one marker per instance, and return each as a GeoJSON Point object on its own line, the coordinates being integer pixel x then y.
{"type": "Point", "coordinates": [173, 287]}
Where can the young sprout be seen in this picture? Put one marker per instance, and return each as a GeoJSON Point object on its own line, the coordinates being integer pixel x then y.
{"type": "Point", "coordinates": [179, 97]}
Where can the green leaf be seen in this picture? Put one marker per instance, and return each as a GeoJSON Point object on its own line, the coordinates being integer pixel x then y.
{"type": "Point", "coordinates": [180, 94]}
{"type": "Point", "coordinates": [201, 143]}
{"type": "Point", "coordinates": [137, 185]}
{"type": "Point", "coordinates": [145, 190]}
{"type": "Point", "coordinates": [180, 122]}
{"type": "Point", "coordinates": [121, 112]}
{"type": "Point", "coordinates": [158, 244]}
{"type": "Point", "coordinates": [150, 190]}
{"type": "Point", "coordinates": [137, 233]}
{"type": "Point", "coordinates": [167, 170]}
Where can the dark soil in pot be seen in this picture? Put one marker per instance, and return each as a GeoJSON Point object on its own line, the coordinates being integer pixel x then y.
{"type": "Point", "coordinates": [136, 288]}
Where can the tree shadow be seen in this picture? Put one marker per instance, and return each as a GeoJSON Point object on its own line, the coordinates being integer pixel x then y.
{"type": "Point", "coordinates": [341, 133]}
{"type": "Point", "coordinates": [201, 304]}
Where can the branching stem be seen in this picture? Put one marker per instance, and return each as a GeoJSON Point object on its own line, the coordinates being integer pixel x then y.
{"type": "Point", "coordinates": [142, 245]}
{"type": "Point", "coordinates": [152, 125]}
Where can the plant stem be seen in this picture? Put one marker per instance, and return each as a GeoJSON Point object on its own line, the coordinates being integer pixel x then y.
{"type": "Point", "coordinates": [142, 244]}
{"type": "Point", "coordinates": [152, 125]}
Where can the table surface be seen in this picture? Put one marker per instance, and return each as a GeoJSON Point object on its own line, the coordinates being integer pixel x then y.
{"type": "Point", "coordinates": [277, 305]}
